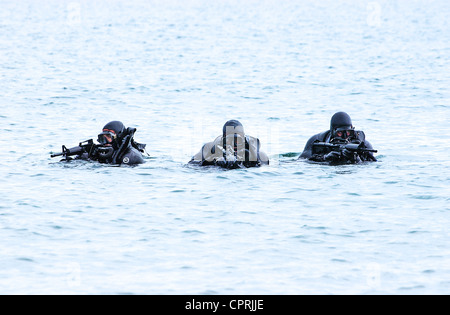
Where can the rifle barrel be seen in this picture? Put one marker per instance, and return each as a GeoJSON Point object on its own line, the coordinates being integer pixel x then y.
{"type": "Point", "coordinates": [80, 149]}
{"type": "Point", "coordinates": [350, 146]}
{"type": "Point", "coordinates": [55, 155]}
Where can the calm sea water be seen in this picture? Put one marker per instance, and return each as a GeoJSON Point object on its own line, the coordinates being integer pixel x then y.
{"type": "Point", "coordinates": [177, 70]}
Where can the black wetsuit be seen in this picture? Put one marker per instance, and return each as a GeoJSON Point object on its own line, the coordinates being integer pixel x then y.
{"type": "Point", "coordinates": [310, 154]}
{"type": "Point", "coordinates": [126, 151]}
{"type": "Point", "coordinates": [116, 146]}
{"type": "Point", "coordinates": [131, 156]}
{"type": "Point", "coordinates": [235, 163]}
{"type": "Point", "coordinates": [246, 154]}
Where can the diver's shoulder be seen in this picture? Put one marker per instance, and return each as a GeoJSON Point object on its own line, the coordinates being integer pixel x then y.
{"type": "Point", "coordinates": [132, 157]}
{"type": "Point", "coordinates": [321, 137]}
{"type": "Point", "coordinates": [252, 139]}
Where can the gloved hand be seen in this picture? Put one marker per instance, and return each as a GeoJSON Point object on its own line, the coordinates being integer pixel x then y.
{"type": "Point", "coordinates": [228, 164]}
{"type": "Point", "coordinates": [351, 156]}
{"type": "Point", "coordinates": [233, 163]}
{"type": "Point", "coordinates": [332, 156]}
{"type": "Point", "coordinates": [368, 156]}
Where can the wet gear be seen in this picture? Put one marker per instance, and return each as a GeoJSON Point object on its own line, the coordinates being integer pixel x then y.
{"type": "Point", "coordinates": [344, 134]}
{"type": "Point", "coordinates": [339, 120]}
{"type": "Point", "coordinates": [233, 149]}
{"type": "Point", "coordinates": [233, 127]}
{"type": "Point", "coordinates": [120, 148]}
{"type": "Point", "coordinates": [106, 137]}
{"type": "Point", "coordinates": [116, 126]}
{"type": "Point", "coordinates": [341, 132]}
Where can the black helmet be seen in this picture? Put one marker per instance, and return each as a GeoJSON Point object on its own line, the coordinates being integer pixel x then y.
{"type": "Point", "coordinates": [115, 130]}
{"type": "Point", "coordinates": [116, 126]}
{"type": "Point", "coordinates": [233, 127]}
{"type": "Point", "coordinates": [341, 120]}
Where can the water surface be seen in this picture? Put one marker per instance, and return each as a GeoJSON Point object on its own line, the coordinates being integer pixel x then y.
{"type": "Point", "coordinates": [177, 71]}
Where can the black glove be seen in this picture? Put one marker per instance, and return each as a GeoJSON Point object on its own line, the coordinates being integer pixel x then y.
{"type": "Point", "coordinates": [351, 156]}
{"type": "Point", "coordinates": [228, 164]}
{"type": "Point", "coordinates": [368, 156]}
{"type": "Point", "coordinates": [332, 156]}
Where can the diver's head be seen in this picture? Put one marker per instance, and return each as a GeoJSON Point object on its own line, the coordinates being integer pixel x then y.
{"type": "Point", "coordinates": [341, 126]}
{"type": "Point", "coordinates": [112, 132]}
{"type": "Point", "coordinates": [233, 127]}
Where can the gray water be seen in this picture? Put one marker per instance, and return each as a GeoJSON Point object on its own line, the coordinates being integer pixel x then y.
{"type": "Point", "coordinates": [177, 70]}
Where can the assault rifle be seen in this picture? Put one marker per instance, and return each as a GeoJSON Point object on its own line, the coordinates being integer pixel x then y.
{"type": "Point", "coordinates": [324, 147]}
{"type": "Point", "coordinates": [87, 146]}
{"type": "Point", "coordinates": [102, 152]}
